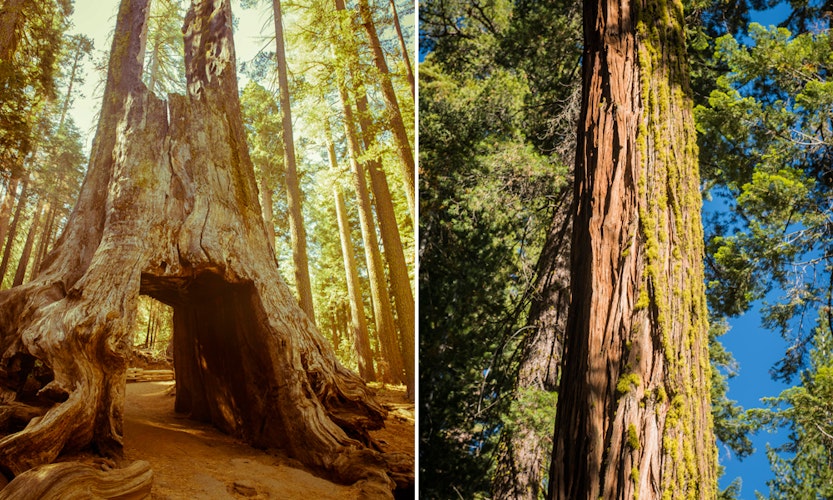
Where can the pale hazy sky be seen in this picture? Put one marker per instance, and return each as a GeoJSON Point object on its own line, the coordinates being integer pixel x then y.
{"type": "Point", "coordinates": [97, 19]}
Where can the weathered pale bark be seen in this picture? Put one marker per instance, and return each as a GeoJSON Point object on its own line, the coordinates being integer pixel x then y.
{"type": "Point", "coordinates": [26, 253]}
{"type": "Point", "coordinates": [79, 480]}
{"type": "Point", "coordinates": [633, 416]}
{"type": "Point", "coordinates": [404, 47]}
{"type": "Point", "coordinates": [523, 456]}
{"type": "Point", "coordinates": [361, 339]}
{"type": "Point", "coordinates": [383, 314]}
{"type": "Point", "coordinates": [403, 295]}
{"type": "Point", "coordinates": [12, 233]}
{"type": "Point", "coordinates": [394, 116]}
{"type": "Point", "coordinates": [293, 189]}
{"type": "Point", "coordinates": [169, 209]}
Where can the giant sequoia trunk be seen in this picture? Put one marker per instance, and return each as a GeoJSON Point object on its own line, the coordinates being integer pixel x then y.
{"type": "Point", "coordinates": [633, 417]}
{"type": "Point", "coordinates": [523, 455]}
{"type": "Point", "coordinates": [169, 209]}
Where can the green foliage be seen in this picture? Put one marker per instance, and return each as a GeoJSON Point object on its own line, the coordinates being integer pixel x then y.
{"type": "Point", "coordinates": [153, 328]}
{"type": "Point", "coordinates": [27, 77]}
{"type": "Point", "coordinates": [262, 120]}
{"type": "Point", "coordinates": [804, 466]}
{"type": "Point", "coordinates": [731, 424]}
{"type": "Point", "coordinates": [731, 492]}
{"type": "Point", "coordinates": [532, 410]}
{"type": "Point", "coordinates": [481, 191]}
{"type": "Point", "coordinates": [496, 128]}
{"type": "Point", "coordinates": [766, 144]}
{"type": "Point", "coordinates": [164, 64]}
{"type": "Point", "coordinates": [323, 45]}
{"type": "Point", "coordinates": [55, 170]}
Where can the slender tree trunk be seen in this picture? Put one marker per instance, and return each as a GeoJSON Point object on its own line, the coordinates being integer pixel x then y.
{"type": "Point", "coordinates": [293, 189]}
{"type": "Point", "coordinates": [385, 327]}
{"type": "Point", "coordinates": [149, 327]}
{"type": "Point", "coordinates": [331, 313]}
{"type": "Point", "coordinates": [404, 47]}
{"type": "Point", "coordinates": [45, 239]}
{"type": "Point", "coordinates": [267, 206]}
{"type": "Point", "coordinates": [154, 327]}
{"type": "Point", "coordinates": [634, 416]}
{"type": "Point", "coordinates": [523, 456]}
{"type": "Point", "coordinates": [7, 252]}
{"type": "Point", "coordinates": [72, 74]}
{"type": "Point", "coordinates": [153, 76]}
{"type": "Point", "coordinates": [397, 126]}
{"type": "Point", "coordinates": [26, 253]}
{"type": "Point", "coordinates": [358, 322]}
{"type": "Point", "coordinates": [400, 280]}
{"type": "Point", "coordinates": [6, 208]}
{"type": "Point", "coordinates": [169, 209]}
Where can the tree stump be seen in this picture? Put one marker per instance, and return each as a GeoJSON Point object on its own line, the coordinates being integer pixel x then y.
{"type": "Point", "coordinates": [169, 208]}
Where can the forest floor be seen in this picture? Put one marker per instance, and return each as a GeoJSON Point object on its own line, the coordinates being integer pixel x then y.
{"type": "Point", "coordinates": [196, 461]}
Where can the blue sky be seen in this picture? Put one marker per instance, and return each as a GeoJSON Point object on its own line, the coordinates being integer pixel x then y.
{"type": "Point", "coordinates": [756, 350]}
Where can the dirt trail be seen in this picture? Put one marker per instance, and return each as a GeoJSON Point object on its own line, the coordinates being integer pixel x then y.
{"type": "Point", "coordinates": [191, 460]}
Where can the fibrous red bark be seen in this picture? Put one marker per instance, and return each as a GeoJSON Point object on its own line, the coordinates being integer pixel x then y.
{"type": "Point", "coordinates": [633, 416]}
{"type": "Point", "coordinates": [169, 208]}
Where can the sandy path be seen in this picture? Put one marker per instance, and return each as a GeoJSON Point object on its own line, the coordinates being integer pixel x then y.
{"type": "Point", "coordinates": [191, 460]}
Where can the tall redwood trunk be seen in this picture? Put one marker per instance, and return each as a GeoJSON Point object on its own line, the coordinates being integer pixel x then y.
{"type": "Point", "coordinates": [404, 47]}
{"type": "Point", "coordinates": [293, 189]}
{"type": "Point", "coordinates": [169, 209]}
{"type": "Point", "coordinates": [383, 314]}
{"type": "Point", "coordinates": [12, 233]}
{"type": "Point", "coordinates": [633, 416]}
{"type": "Point", "coordinates": [403, 295]}
{"type": "Point", "coordinates": [6, 208]}
{"type": "Point", "coordinates": [82, 46]}
{"type": "Point", "coordinates": [358, 322]}
{"type": "Point", "coordinates": [45, 238]}
{"type": "Point", "coordinates": [26, 253]}
{"type": "Point", "coordinates": [397, 126]}
{"type": "Point", "coordinates": [523, 456]}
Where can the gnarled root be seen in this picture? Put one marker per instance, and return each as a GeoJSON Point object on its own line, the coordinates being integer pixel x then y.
{"type": "Point", "coordinates": [71, 480]}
